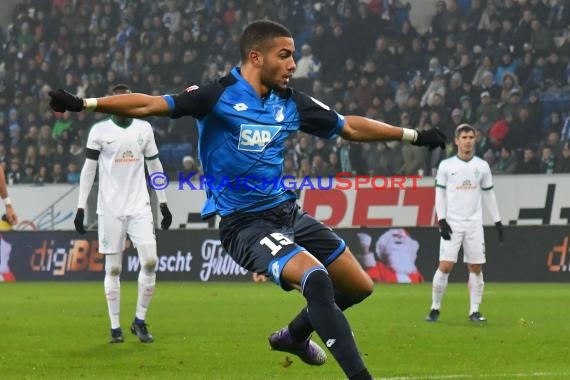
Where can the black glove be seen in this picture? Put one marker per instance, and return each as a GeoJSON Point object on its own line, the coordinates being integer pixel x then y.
{"type": "Point", "coordinates": [79, 221]}
{"type": "Point", "coordinates": [166, 216]}
{"type": "Point", "coordinates": [62, 101]}
{"type": "Point", "coordinates": [500, 230]}
{"type": "Point", "coordinates": [431, 138]}
{"type": "Point", "coordinates": [444, 229]}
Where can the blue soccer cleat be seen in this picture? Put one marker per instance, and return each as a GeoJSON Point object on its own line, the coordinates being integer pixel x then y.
{"type": "Point", "coordinates": [308, 351]}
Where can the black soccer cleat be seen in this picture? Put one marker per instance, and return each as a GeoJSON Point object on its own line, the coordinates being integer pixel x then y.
{"type": "Point", "coordinates": [117, 336]}
{"type": "Point", "coordinates": [141, 331]}
{"type": "Point", "coordinates": [433, 315]}
{"type": "Point", "coordinates": [477, 317]}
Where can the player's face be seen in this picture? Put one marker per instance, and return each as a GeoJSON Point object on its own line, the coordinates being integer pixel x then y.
{"type": "Point", "coordinates": [278, 63]}
{"type": "Point", "coordinates": [465, 143]}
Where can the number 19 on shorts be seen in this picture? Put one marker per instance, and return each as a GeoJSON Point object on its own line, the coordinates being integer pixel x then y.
{"type": "Point", "coordinates": [275, 242]}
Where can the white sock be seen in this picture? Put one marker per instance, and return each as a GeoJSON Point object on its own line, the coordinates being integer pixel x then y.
{"type": "Point", "coordinates": [146, 291]}
{"type": "Point", "coordinates": [147, 278]}
{"type": "Point", "coordinates": [112, 286]}
{"type": "Point", "coordinates": [438, 288]}
{"type": "Point", "coordinates": [113, 295]}
{"type": "Point", "coordinates": [476, 287]}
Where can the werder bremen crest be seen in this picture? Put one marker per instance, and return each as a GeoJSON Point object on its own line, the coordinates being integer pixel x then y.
{"type": "Point", "coordinates": [140, 139]}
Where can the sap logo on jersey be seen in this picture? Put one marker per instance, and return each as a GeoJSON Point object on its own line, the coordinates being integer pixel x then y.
{"type": "Point", "coordinates": [255, 137]}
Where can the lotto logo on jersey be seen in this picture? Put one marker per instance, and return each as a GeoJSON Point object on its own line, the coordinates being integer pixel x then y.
{"type": "Point", "coordinates": [254, 137]}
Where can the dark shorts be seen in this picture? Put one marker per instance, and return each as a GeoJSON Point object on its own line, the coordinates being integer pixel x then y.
{"type": "Point", "coordinates": [264, 241]}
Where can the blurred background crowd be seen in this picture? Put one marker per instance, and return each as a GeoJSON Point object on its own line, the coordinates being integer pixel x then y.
{"type": "Point", "coordinates": [501, 65]}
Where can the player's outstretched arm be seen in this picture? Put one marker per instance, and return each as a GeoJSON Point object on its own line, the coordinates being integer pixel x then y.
{"type": "Point", "coordinates": [358, 128]}
{"type": "Point", "coordinates": [128, 105]}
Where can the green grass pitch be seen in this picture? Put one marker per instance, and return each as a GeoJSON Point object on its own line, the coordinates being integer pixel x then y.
{"type": "Point", "coordinates": [219, 331]}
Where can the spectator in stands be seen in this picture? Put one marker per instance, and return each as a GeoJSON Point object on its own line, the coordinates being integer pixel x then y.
{"type": "Point", "coordinates": [506, 164]}
{"type": "Point", "coordinates": [456, 119]}
{"type": "Point", "coordinates": [487, 107]}
{"type": "Point", "coordinates": [547, 160]}
{"type": "Point", "coordinates": [76, 152]}
{"type": "Point", "coordinates": [553, 142]}
{"type": "Point", "coordinates": [455, 91]}
{"type": "Point", "coordinates": [319, 167]}
{"type": "Point", "coordinates": [467, 111]}
{"type": "Point", "coordinates": [541, 39]}
{"type": "Point", "coordinates": [57, 174]}
{"type": "Point", "coordinates": [303, 148]}
{"type": "Point", "coordinates": [563, 164]}
{"type": "Point", "coordinates": [344, 154]}
{"type": "Point", "coordinates": [555, 71]}
{"type": "Point", "coordinates": [61, 156]}
{"type": "Point", "coordinates": [554, 123]}
{"type": "Point", "coordinates": [42, 175]}
{"type": "Point", "coordinates": [289, 167]}
{"type": "Point", "coordinates": [489, 156]}
{"type": "Point", "coordinates": [524, 68]}
{"type": "Point", "coordinates": [73, 173]}
{"type": "Point", "coordinates": [14, 173]}
{"type": "Point", "coordinates": [535, 111]}
{"type": "Point", "coordinates": [488, 85]}
{"type": "Point", "coordinates": [481, 143]}
{"type": "Point", "coordinates": [528, 164]}
{"type": "Point", "coordinates": [308, 67]}
{"type": "Point", "coordinates": [189, 167]}
{"type": "Point", "coordinates": [31, 157]}
{"type": "Point", "coordinates": [304, 168]}
{"type": "Point", "coordinates": [486, 66]}
{"type": "Point", "coordinates": [28, 175]}
{"type": "Point", "coordinates": [509, 83]}
{"type": "Point", "coordinates": [559, 14]}
{"type": "Point", "coordinates": [499, 131]}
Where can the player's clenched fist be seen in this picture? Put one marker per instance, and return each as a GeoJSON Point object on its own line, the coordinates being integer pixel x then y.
{"type": "Point", "coordinates": [500, 230]}
{"type": "Point", "coordinates": [62, 101]}
{"type": "Point", "coordinates": [431, 138]}
{"type": "Point", "coordinates": [444, 229]}
{"type": "Point", "coordinates": [79, 227]}
{"type": "Point", "coordinates": [166, 216]}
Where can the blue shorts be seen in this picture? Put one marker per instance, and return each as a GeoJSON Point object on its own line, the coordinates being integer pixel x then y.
{"type": "Point", "coordinates": [263, 242]}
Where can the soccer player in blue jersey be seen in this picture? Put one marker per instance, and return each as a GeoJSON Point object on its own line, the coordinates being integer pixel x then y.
{"type": "Point", "coordinates": [244, 119]}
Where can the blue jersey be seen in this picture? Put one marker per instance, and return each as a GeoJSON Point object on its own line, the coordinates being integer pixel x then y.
{"type": "Point", "coordinates": [242, 136]}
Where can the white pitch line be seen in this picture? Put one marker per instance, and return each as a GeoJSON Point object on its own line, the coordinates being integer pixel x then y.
{"type": "Point", "coordinates": [484, 376]}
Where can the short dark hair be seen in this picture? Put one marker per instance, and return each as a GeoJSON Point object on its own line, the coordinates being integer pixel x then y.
{"type": "Point", "coordinates": [463, 128]}
{"type": "Point", "coordinates": [120, 87]}
{"type": "Point", "coordinates": [258, 33]}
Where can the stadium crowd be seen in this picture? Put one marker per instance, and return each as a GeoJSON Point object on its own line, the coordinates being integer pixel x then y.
{"type": "Point", "coordinates": [501, 65]}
